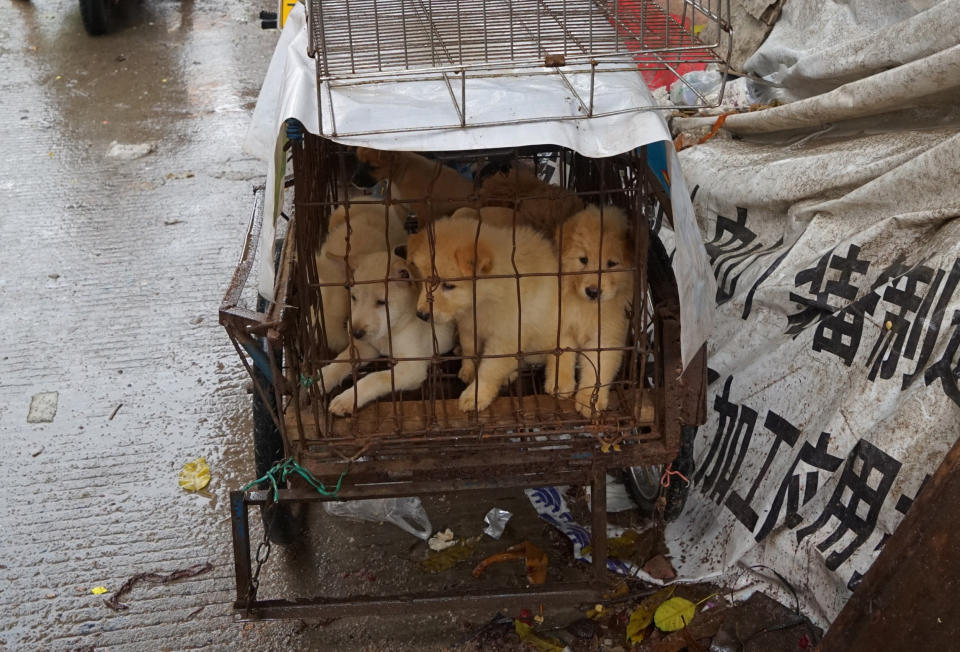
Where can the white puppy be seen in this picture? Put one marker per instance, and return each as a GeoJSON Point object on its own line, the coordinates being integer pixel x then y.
{"type": "Point", "coordinates": [407, 336]}
{"type": "Point", "coordinates": [372, 229]}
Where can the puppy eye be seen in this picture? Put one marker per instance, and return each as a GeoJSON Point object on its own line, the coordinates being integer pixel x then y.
{"type": "Point", "coordinates": [448, 286]}
{"type": "Point", "coordinates": [583, 260]}
{"type": "Point", "coordinates": [381, 302]}
{"type": "Point", "coordinates": [611, 263]}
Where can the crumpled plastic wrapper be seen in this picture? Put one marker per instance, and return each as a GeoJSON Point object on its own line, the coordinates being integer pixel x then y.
{"type": "Point", "coordinates": [495, 521]}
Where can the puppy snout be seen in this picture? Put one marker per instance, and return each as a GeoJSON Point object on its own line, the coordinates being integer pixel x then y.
{"type": "Point", "coordinates": [358, 333]}
{"type": "Point", "coordinates": [593, 292]}
{"type": "Point", "coordinates": [425, 316]}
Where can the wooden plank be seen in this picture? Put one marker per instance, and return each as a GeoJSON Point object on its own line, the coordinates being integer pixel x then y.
{"type": "Point", "coordinates": [506, 412]}
{"type": "Point", "coordinates": [907, 600]}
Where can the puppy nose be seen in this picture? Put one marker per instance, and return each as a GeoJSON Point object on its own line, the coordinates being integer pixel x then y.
{"type": "Point", "coordinates": [425, 316]}
{"type": "Point", "coordinates": [358, 333]}
{"type": "Point", "coordinates": [592, 292]}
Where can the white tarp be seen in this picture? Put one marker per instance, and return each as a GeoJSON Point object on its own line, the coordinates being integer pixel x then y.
{"type": "Point", "coordinates": [290, 91]}
{"type": "Point", "coordinates": [831, 225]}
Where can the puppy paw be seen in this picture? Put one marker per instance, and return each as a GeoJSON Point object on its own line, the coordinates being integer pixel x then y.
{"type": "Point", "coordinates": [468, 371]}
{"type": "Point", "coordinates": [562, 389]}
{"type": "Point", "coordinates": [584, 398]}
{"type": "Point", "coordinates": [471, 399]}
{"type": "Point", "coordinates": [342, 405]}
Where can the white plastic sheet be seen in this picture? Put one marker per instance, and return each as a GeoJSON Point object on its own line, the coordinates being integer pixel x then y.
{"type": "Point", "coordinates": [832, 226]}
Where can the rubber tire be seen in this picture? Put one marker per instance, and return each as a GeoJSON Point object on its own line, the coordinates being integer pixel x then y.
{"type": "Point", "coordinates": [97, 16]}
{"type": "Point", "coordinates": [676, 494]}
{"type": "Point", "coordinates": [284, 524]}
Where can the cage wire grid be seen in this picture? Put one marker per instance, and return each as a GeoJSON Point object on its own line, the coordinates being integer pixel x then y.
{"type": "Point", "coordinates": [401, 423]}
{"type": "Point", "coordinates": [358, 42]}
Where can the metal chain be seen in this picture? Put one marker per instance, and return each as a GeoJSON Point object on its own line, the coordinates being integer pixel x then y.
{"type": "Point", "coordinates": [262, 554]}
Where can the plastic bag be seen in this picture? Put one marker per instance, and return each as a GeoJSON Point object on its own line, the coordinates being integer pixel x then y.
{"type": "Point", "coordinates": [406, 513]}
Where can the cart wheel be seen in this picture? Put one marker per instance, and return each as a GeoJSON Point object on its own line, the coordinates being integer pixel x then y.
{"type": "Point", "coordinates": [284, 524]}
{"type": "Point", "coordinates": [97, 16]}
{"type": "Point", "coordinates": [643, 482]}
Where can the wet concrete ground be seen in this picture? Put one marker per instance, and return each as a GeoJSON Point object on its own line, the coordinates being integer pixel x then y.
{"type": "Point", "coordinates": [112, 274]}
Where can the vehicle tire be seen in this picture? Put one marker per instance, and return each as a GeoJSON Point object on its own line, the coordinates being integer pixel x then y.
{"type": "Point", "coordinates": [283, 524]}
{"type": "Point", "coordinates": [643, 482]}
{"type": "Point", "coordinates": [97, 16]}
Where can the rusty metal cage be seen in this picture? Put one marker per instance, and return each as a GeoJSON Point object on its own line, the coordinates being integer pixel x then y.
{"type": "Point", "coordinates": [458, 44]}
{"type": "Point", "coordinates": [422, 440]}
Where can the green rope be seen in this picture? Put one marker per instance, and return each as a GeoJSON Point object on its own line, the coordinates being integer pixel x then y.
{"type": "Point", "coordinates": [306, 381]}
{"type": "Point", "coordinates": [282, 470]}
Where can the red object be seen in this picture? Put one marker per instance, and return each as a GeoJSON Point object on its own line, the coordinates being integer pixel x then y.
{"type": "Point", "coordinates": [804, 642]}
{"type": "Point", "coordinates": [634, 16]}
{"type": "Point", "coordinates": [525, 617]}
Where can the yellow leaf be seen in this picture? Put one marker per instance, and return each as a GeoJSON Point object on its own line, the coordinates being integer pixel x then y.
{"type": "Point", "coordinates": [642, 616]}
{"type": "Point", "coordinates": [674, 614]}
{"type": "Point", "coordinates": [98, 590]}
{"type": "Point", "coordinates": [527, 636]}
{"type": "Point", "coordinates": [195, 475]}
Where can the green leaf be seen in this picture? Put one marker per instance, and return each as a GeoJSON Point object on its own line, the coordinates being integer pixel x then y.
{"type": "Point", "coordinates": [674, 614]}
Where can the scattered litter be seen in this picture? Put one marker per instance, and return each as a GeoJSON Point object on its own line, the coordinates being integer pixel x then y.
{"type": "Point", "coordinates": [37, 452]}
{"type": "Point", "coordinates": [43, 407]}
{"type": "Point", "coordinates": [121, 57]}
{"type": "Point", "coordinates": [195, 475]}
{"type": "Point", "coordinates": [674, 614]}
{"type": "Point", "coordinates": [495, 522]}
{"type": "Point", "coordinates": [442, 540]}
{"type": "Point", "coordinates": [129, 151]}
{"type": "Point", "coordinates": [53, 276]}
{"type": "Point", "coordinates": [195, 612]}
{"type": "Point", "coordinates": [154, 578]}
{"type": "Point", "coordinates": [659, 567]}
{"type": "Point", "coordinates": [197, 320]}
{"type": "Point", "coordinates": [444, 560]}
{"type": "Point", "coordinates": [50, 596]}
{"type": "Point", "coordinates": [406, 513]}
{"type": "Point", "coordinates": [584, 629]}
{"type": "Point", "coordinates": [98, 590]}
{"type": "Point", "coordinates": [172, 222]}
{"type": "Point", "coordinates": [115, 410]}
{"type": "Point", "coordinates": [534, 558]}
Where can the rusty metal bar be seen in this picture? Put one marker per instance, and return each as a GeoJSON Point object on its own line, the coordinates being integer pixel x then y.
{"type": "Point", "coordinates": [229, 307]}
{"type": "Point", "coordinates": [598, 529]}
{"type": "Point", "coordinates": [240, 527]}
{"type": "Point", "coordinates": [414, 603]}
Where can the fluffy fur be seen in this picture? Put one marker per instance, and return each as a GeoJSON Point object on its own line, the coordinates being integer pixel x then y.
{"type": "Point", "coordinates": [591, 303]}
{"type": "Point", "coordinates": [464, 247]}
{"type": "Point", "coordinates": [538, 204]}
{"type": "Point", "coordinates": [368, 234]}
{"type": "Point", "coordinates": [406, 337]}
{"type": "Point", "coordinates": [418, 184]}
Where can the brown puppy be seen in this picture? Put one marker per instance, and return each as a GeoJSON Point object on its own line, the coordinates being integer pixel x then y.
{"type": "Point", "coordinates": [538, 204]}
{"type": "Point", "coordinates": [427, 188]}
{"type": "Point", "coordinates": [593, 303]}
{"type": "Point", "coordinates": [464, 248]}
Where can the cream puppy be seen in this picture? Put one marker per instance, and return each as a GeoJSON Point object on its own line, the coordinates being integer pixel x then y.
{"type": "Point", "coordinates": [464, 248]}
{"type": "Point", "coordinates": [594, 302]}
{"type": "Point", "coordinates": [373, 307]}
{"type": "Point", "coordinates": [368, 233]}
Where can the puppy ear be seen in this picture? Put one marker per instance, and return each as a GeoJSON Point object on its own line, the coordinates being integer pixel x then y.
{"type": "Point", "coordinates": [400, 251]}
{"type": "Point", "coordinates": [474, 258]}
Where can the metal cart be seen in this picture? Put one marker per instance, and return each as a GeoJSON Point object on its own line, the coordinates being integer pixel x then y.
{"type": "Point", "coordinates": [419, 442]}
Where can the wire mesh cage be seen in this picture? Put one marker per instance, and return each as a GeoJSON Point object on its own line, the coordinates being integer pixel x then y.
{"type": "Point", "coordinates": [532, 324]}
{"type": "Point", "coordinates": [358, 43]}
